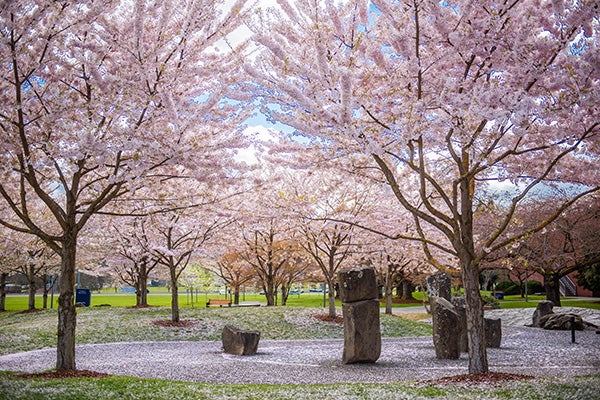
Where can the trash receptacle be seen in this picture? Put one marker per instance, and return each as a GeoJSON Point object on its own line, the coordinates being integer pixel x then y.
{"type": "Point", "coordinates": [83, 296]}
{"type": "Point", "coordinates": [499, 295]}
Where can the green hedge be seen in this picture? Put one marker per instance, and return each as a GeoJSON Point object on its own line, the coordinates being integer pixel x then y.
{"type": "Point", "coordinates": [512, 288]}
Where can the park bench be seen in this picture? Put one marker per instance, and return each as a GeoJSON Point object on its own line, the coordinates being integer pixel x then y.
{"type": "Point", "coordinates": [218, 302]}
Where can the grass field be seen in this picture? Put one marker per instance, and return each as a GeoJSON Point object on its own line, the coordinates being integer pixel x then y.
{"type": "Point", "coordinates": [159, 296]}
{"type": "Point", "coordinates": [128, 388]}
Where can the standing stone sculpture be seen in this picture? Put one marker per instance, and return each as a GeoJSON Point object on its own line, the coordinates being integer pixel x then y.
{"type": "Point", "coordinates": [447, 328]}
{"type": "Point", "coordinates": [461, 309]}
{"type": "Point", "coordinates": [493, 332]}
{"type": "Point", "coordinates": [439, 285]}
{"type": "Point", "coordinates": [360, 308]}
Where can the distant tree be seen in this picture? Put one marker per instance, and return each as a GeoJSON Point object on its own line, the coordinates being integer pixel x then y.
{"type": "Point", "coordinates": [235, 272]}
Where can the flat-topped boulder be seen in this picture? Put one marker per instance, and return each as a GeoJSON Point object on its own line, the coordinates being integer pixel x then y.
{"type": "Point", "coordinates": [239, 342]}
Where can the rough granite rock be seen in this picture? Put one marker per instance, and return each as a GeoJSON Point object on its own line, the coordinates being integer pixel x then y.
{"type": "Point", "coordinates": [461, 308]}
{"type": "Point", "coordinates": [493, 332]}
{"type": "Point", "coordinates": [439, 285]}
{"type": "Point", "coordinates": [562, 322]}
{"type": "Point", "coordinates": [543, 308]}
{"type": "Point", "coordinates": [362, 335]}
{"type": "Point", "coordinates": [447, 328]}
{"type": "Point", "coordinates": [238, 342]}
{"type": "Point", "coordinates": [357, 284]}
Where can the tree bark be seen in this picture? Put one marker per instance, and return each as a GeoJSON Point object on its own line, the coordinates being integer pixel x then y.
{"type": "Point", "coordinates": [31, 287]}
{"type": "Point", "coordinates": [46, 289]}
{"type": "Point", "coordinates": [174, 296]}
{"type": "Point", "coordinates": [331, 297]}
{"type": "Point", "coordinates": [284, 295]}
{"type": "Point", "coordinates": [475, 324]}
{"type": "Point", "coordinates": [236, 294]}
{"type": "Point", "coordinates": [269, 293]}
{"type": "Point", "coordinates": [67, 315]}
{"type": "Point", "coordinates": [388, 293]}
{"type": "Point", "coordinates": [552, 282]}
{"type": "Point", "coordinates": [3, 277]}
{"type": "Point", "coordinates": [143, 285]}
{"type": "Point", "coordinates": [407, 289]}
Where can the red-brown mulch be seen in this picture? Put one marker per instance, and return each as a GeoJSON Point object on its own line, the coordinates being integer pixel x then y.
{"type": "Point", "coordinates": [490, 378]}
{"type": "Point", "coordinates": [70, 373]}
{"type": "Point", "coordinates": [30, 311]}
{"type": "Point", "coordinates": [167, 323]}
{"type": "Point", "coordinates": [326, 318]}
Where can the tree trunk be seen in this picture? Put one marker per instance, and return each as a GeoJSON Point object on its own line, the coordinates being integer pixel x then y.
{"type": "Point", "coordinates": [45, 291]}
{"type": "Point", "coordinates": [67, 314]}
{"type": "Point", "coordinates": [388, 302]}
{"type": "Point", "coordinates": [236, 294]}
{"type": "Point", "coordinates": [284, 295]}
{"type": "Point", "coordinates": [388, 293]}
{"type": "Point", "coordinates": [332, 310]}
{"type": "Point", "coordinates": [143, 302]}
{"type": "Point", "coordinates": [32, 287]}
{"type": "Point", "coordinates": [3, 277]}
{"type": "Point", "coordinates": [174, 296]}
{"type": "Point", "coordinates": [552, 282]}
{"type": "Point", "coordinates": [138, 293]}
{"type": "Point", "coordinates": [269, 293]}
{"type": "Point", "coordinates": [475, 324]}
{"type": "Point", "coordinates": [407, 289]}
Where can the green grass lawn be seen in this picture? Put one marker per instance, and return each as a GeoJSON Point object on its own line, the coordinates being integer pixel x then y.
{"type": "Point", "coordinates": [129, 388]}
{"type": "Point", "coordinates": [159, 296]}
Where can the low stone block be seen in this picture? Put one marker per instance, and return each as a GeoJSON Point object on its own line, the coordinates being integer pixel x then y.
{"type": "Point", "coordinates": [493, 332]}
{"type": "Point", "coordinates": [562, 322]}
{"type": "Point", "coordinates": [238, 342]}
{"type": "Point", "coordinates": [362, 334]}
{"type": "Point", "coordinates": [446, 328]}
{"type": "Point", "coordinates": [357, 284]}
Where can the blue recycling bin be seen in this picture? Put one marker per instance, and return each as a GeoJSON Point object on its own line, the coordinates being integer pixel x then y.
{"type": "Point", "coordinates": [498, 294]}
{"type": "Point", "coordinates": [83, 296]}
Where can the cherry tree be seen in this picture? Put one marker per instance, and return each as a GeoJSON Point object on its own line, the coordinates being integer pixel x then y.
{"type": "Point", "coordinates": [328, 204]}
{"type": "Point", "coordinates": [443, 99]}
{"type": "Point", "coordinates": [568, 244]}
{"type": "Point", "coordinates": [235, 272]}
{"type": "Point", "coordinates": [97, 96]}
{"type": "Point", "coordinates": [269, 251]}
{"type": "Point", "coordinates": [129, 256]}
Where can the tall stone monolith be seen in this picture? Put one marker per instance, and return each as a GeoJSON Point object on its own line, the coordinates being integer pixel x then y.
{"type": "Point", "coordinates": [360, 307]}
{"type": "Point", "coordinates": [447, 328]}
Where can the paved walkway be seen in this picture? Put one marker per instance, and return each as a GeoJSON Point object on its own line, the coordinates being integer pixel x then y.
{"type": "Point", "coordinates": [524, 350]}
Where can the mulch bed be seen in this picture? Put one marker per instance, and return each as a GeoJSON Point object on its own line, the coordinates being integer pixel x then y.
{"type": "Point", "coordinates": [30, 311]}
{"type": "Point", "coordinates": [490, 378]}
{"type": "Point", "coordinates": [70, 373]}
{"type": "Point", "coordinates": [167, 323]}
{"type": "Point", "coordinates": [326, 318]}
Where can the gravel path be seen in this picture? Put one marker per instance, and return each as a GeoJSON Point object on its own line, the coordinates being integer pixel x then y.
{"type": "Point", "coordinates": [524, 350]}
